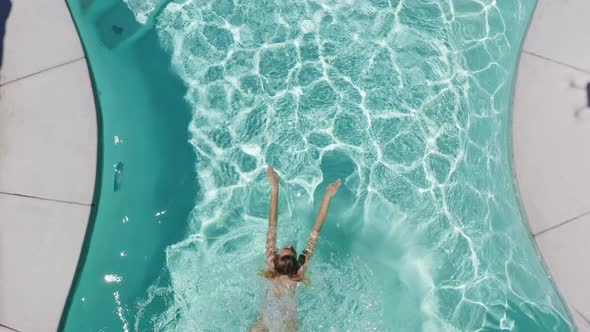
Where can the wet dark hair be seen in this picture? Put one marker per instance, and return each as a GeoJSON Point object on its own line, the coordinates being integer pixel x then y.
{"type": "Point", "coordinates": [286, 265]}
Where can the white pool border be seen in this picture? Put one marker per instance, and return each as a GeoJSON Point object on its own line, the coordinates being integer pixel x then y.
{"type": "Point", "coordinates": [48, 163]}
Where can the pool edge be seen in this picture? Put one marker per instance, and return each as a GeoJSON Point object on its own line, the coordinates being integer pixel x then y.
{"type": "Point", "coordinates": [515, 177]}
{"type": "Point", "coordinates": [97, 182]}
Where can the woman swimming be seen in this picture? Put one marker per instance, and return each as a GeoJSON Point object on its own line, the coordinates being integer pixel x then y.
{"type": "Point", "coordinates": [284, 270]}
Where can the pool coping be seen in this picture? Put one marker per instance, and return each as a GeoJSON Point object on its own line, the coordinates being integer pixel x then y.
{"type": "Point", "coordinates": [50, 191]}
{"type": "Point", "coordinates": [97, 186]}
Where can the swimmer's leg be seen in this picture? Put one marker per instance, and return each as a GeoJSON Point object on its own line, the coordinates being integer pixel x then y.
{"type": "Point", "coordinates": [291, 325]}
{"type": "Point", "coordinates": [259, 327]}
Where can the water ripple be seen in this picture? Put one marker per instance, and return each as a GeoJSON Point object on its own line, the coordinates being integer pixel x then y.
{"type": "Point", "coordinates": [410, 99]}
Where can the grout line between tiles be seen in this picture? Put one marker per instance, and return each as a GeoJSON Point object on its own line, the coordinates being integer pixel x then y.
{"type": "Point", "coordinates": [562, 223]}
{"type": "Point", "coordinates": [9, 328]}
{"type": "Point", "coordinates": [42, 71]}
{"type": "Point", "coordinates": [45, 199]}
{"type": "Point", "coordinates": [556, 62]}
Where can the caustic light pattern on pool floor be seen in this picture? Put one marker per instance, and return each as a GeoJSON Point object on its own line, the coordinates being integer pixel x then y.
{"type": "Point", "coordinates": [408, 102]}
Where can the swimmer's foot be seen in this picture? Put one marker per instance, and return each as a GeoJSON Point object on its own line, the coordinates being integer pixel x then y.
{"type": "Point", "coordinates": [273, 177]}
{"type": "Point", "coordinates": [333, 188]}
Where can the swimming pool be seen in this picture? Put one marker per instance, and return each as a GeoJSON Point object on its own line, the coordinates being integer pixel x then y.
{"type": "Point", "coordinates": [407, 101]}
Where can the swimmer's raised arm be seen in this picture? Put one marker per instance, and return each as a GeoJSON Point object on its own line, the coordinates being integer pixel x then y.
{"type": "Point", "coordinates": [271, 236]}
{"type": "Point", "coordinates": [320, 219]}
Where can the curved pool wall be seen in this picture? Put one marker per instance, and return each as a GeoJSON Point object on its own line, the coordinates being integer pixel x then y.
{"type": "Point", "coordinates": [408, 102]}
{"type": "Point", "coordinates": [147, 185]}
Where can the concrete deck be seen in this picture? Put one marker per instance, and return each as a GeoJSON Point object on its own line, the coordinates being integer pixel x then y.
{"type": "Point", "coordinates": [551, 145]}
{"type": "Point", "coordinates": [5, 329]}
{"type": "Point", "coordinates": [48, 157]}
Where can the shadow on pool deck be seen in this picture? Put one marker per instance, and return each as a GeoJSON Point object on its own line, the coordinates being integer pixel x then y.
{"type": "Point", "coordinates": [5, 6]}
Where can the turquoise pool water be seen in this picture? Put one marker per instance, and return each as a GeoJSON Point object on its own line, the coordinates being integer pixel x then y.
{"type": "Point", "coordinates": [407, 101]}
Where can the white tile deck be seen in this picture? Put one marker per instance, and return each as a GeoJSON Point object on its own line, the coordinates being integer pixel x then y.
{"type": "Point", "coordinates": [40, 34]}
{"type": "Point", "coordinates": [40, 244]}
{"type": "Point", "coordinates": [565, 250]}
{"type": "Point", "coordinates": [559, 31]}
{"type": "Point", "coordinates": [551, 156]}
{"type": "Point", "coordinates": [48, 135]}
{"type": "Point", "coordinates": [6, 329]}
{"type": "Point", "coordinates": [48, 150]}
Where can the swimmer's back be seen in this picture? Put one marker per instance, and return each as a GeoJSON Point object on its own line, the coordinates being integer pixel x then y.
{"type": "Point", "coordinates": [279, 312]}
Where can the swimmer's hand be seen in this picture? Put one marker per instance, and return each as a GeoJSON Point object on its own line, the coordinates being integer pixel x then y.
{"type": "Point", "coordinates": [273, 177]}
{"type": "Point", "coordinates": [333, 188]}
